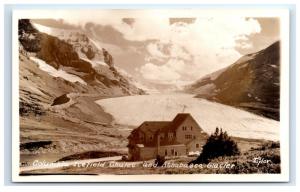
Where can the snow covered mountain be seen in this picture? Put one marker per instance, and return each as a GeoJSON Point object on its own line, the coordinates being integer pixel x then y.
{"type": "Point", "coordinates": [86, 48]}
{"type": "Point", "coordinates": [251, 83]}
{"type": "Point", "coordinates": [61, 73]}
{"type": "Point", "coordinates": [64, 53]}
{"type": "Point", "coordinates": [56, 61]}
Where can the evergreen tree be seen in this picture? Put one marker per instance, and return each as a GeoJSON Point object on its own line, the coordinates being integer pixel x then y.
{"type": "Point", "coordinates": [218, 144]}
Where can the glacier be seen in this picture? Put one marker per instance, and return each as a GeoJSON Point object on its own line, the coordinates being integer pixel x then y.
{"type": "Point", "coordinates": [133, 110]}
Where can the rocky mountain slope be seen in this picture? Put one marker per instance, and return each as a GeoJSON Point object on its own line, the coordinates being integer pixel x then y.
{"type": "Point", "coordinates": [60, 76]}
{"type": "Point", "coordinates": [75, 54]}
{"type": "Point", "coordinates": [251, 83]}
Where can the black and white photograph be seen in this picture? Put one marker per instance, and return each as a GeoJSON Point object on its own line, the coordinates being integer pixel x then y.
{"type": "Point", "coordinates": [150, 95]}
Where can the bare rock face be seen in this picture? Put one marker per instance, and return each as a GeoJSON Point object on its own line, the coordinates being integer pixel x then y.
{"type": "Point", "coordinates": [251, 83]}
{"type": "Point", "coordinates": [29, 37]}
{"type": "Point", "coordinates": [61, 100]}
{"type": "Point", "coordinates": [61, 75]}
{"type": "Point", "coordinates": [63, 54]}
{"type": "Point", "coordinates": [108, 59]}
{"type": "Point", "coordinates": [88, 51]}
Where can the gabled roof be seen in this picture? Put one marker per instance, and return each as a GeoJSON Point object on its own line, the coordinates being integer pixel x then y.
{"type": "Point", "coordinates": [178, 120]}
{"type": "Point", "coordinates": [153, 126]}
{"type": "Point", "coordinates": [164, 126]}
{"type": "Point", "coordinates": [157, 127]}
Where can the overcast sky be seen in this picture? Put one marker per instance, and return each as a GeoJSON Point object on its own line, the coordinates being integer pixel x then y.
{"type": "Point", "coordinates": [175, 48]}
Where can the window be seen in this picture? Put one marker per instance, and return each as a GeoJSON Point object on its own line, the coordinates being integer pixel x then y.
{"type": "Point", "coordinates": [194, 137]}
{"type": "Point", "coordinates": [175, 153]}
{"type": "Point", "coordinates": [197, 145]}
{"type": "Point", "coordinates": [166, 152]}
{"type": "Point", "coordinates": [191, 128]}
{"type": "Point", "coordinates": [188, 136]}
{"type": "Point", "coordinates": [151, 137]}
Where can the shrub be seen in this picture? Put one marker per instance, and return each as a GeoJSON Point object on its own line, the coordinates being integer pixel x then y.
{"type": "Point", "coordinates": [160, 160]}
{"type": "Point", "coordinates": [218, 144]}
{"type": "Point", "coordinates": [124, 158]}
{"type": "Point", "coordinates": [267, 145]}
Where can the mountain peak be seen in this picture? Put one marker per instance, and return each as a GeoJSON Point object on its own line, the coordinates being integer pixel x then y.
{"type": "Point", "coordinates": [251, 83]}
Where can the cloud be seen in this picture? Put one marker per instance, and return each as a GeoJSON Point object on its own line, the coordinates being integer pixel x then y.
{"type": "Point", "coordinates": [203, 47]}
{"type": "Point", "coordinates": [169, 73]}
{"type": "Point", "coordinates": [162, 73]}
{"type": "Point", "coordinates": [184, 51]}
{"type": "Point", "coordinates": [155, 50]}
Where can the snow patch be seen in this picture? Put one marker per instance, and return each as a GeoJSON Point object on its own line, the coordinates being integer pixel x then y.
{"type": "Point", "coordinates": [213, 76]}
{"type": "Point", "coordinates": [43, 28]}
{"type": "Point", "coordinates": [133, 110]}
{"type": "Point", "coordinates": [94, 63]}
{"type": "Point", "coordinates": [62, 34]}
{"type": "Point", "coordinates": [134, 82]}
{"type": "Point", "coordinates": [57, 73]}
{"type": "Point", "coordinates": [274, 66]}
{"type": "Point", "coordinates": [244, 59]}
{"type": "Point", "coordinates": [96, 44]}
{"type": "Point", "coordinates": [205, 89]}
{"type": "Point", "coordinates": [243, 66]}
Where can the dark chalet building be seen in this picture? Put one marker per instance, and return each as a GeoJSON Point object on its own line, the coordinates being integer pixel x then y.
{"type": "Point", "coordinates": [166, 138]}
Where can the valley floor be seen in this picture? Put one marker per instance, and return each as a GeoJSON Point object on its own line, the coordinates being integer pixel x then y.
{"type": "Point", "coordinates": [82, 126]}
{"type": "Point", "coordinates": [245, 163]}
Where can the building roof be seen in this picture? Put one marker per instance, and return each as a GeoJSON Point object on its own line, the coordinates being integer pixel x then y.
{"type": "Point", "coordinates": [153, 126]}
{"type": "Point", "coordinates": [157, 127]}
{"type": "Point", "coordinates": [178, 120]}
{"type": "Point", "coordinates": [164, 126]}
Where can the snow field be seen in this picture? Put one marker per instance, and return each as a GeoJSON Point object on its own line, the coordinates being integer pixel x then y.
{"type": "Point", "coordinates": [133, 110]}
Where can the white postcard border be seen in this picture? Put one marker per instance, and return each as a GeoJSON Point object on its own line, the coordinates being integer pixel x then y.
{"type": "Point", "coordinates": [283, 14]}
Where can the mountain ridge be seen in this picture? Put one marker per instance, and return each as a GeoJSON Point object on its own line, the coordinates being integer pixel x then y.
{"type": "Point", "coordinates": [61, 54]}
{"type": "Point", "coordinates": [251, 83]}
